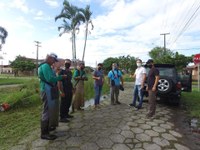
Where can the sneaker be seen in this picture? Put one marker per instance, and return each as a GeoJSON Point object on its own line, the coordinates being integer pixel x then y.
{"type": "Point", "coordinates": [70, 116]}
{"type": "Point", "coordinates": [64, 120]}
{"type": "Point", "coordinates": [133, 105]}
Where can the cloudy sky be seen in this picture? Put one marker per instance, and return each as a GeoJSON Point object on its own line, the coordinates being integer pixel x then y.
{"type": "Point", "coordinates": [121, 27]}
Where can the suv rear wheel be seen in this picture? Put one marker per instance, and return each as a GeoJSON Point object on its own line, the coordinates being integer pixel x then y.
{"type": "Point", "coordinates": [164, 85]}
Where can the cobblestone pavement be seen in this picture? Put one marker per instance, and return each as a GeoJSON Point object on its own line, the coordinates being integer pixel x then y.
{"type": "Point", "coordinates": [118, 127]}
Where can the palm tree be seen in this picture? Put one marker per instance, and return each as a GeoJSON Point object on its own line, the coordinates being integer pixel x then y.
{"type": "Point", "coordinates": [3, 36]}
{"type": "Point", "coordinates": [70, 13]}
{"type": "Point", "coordinates": [87, 20]}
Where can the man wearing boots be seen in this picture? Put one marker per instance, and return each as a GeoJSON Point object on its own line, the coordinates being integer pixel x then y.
{"type": "Point", "coordinates": [48, 90]}
{"type": "Point", "coordinates": [66, 91]}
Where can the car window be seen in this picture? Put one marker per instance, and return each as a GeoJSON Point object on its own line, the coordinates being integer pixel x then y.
{"type": "Point", "coordinates": [164, 71]}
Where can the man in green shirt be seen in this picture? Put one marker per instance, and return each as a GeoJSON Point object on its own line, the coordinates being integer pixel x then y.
{"type": "Point", "coordinates": [48, 81]}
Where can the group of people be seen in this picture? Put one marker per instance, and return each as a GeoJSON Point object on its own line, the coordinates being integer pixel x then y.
{"type": "Point", "coordinates": [57, 84]}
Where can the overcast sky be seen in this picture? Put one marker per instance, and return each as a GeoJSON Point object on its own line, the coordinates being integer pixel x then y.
{"type": "Point", "coordinates": [121, 27]}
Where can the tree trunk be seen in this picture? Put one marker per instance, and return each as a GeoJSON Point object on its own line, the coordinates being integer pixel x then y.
{"type": "Point", "coordinates": [86, 33]}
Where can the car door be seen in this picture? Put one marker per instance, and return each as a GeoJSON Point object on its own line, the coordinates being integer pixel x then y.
{"type": "Point", "coordinates": [186, 82]}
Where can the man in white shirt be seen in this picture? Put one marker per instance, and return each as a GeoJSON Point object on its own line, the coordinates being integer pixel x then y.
{"type": "Point", "coordinates": [140, 77]}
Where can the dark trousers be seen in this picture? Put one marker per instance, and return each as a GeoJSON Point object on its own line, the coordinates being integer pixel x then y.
{"type": "Point", "coordinates": [65, 104]}
{"type": "Point", "coordinates": [152, 103]}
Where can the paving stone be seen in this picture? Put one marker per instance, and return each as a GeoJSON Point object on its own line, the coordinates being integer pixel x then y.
{"type": "Point", "coordinates": [132, 124]}
{"type": "Point", "coordinates": [120, 147]}
{"type": "Point", "coordinates": [127, 134]}
{"type": "Point", "coordinates": [139, 121]}
{"type": "Point", "coordinates": [158, 121]}
{"type": "Point", "coordinates": [89, 146]}
{"type": "Point", "coordinates": [143, 137]}
{"type": "Point", "coordinates": [104, 143]}
{"type": "Point", "coordinates": [117, 138]}
{"type": "Point", "coordinates": [159, 129]}
{"type": "Point", "coordinates": [137, 130]}
{"type": "Point", "coordinates": [161, 141]}
{"type": "Point", "coordinates": [169, 137]}
{"type": "Point", "coordinates": [138, 145]}
{"type": "Point", "coordinates": [145, 126]}
{"type": "Point", "coordinates": [74, 141]}
{"type": "Point", "coordinates": [152, 123]}
{"type": "Point", "coordinates": [115, 130]}
{"type": "Point", "coordinates": [166, 126]}
{"type": "Point", "coordinates": [176, 134]}
{"type": "Point", "coordinates": [180, 147]}
{"type": "Point", "coordinates": [128, 141]}
{"type": "Point", "coordinates": [39, 142]}
{"type": "Point", "coordinates": [151, 147]}
{"type": "Point", "coordinates": [131, 146]}
{"type": "Point", "coordinates": [151, 133]}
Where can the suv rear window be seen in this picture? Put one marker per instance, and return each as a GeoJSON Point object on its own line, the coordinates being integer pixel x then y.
{"type": "Point", "coordinates": [164, 71]}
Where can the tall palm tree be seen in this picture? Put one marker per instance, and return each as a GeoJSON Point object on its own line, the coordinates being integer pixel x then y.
{"type": "Point", "coordinates": [3, 36]}
{"type": "Point", "coordinates": [87, 20]}
{"type": "Point", "coordinates": [70, 13]}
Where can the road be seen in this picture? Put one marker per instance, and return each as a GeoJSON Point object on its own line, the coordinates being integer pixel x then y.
{"type": "Point", "coordinates": [118, 127]}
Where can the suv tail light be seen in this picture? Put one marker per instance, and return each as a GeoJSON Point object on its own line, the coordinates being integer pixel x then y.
{"type": "Point", "coordinates": [178, 86]}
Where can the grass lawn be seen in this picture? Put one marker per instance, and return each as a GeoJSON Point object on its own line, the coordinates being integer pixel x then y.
{"type": "Point", "coordinates": [192, 102]}
{"type": "Point", "coordinates": [25, 112]}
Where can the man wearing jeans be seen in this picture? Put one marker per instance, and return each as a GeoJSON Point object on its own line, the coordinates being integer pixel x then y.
{"type": "Point", "coordinates": [140, 77]}
{"type": "Point", "coordinates": [98, 84]}
{"type": "Point", "coordinates": [115, 75]}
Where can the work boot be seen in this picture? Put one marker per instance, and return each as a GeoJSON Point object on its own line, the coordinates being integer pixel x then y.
{"type": "Point", "coordinates": [45, 131]}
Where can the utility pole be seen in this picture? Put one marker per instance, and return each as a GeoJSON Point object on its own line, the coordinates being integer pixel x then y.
{"type": "Point", "coordinates": [37, 45]}
{"type": "Point", "coordinates": [164, 40]}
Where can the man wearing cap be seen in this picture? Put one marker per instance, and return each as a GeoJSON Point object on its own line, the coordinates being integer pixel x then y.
{"type": "Point", "coordinates": [79, 76]}
{"type": "Point", "coordinates": [114, 78]}
{"type": "Point", "coordinates": [152, 82]}
{"type": "Point", "coordinates": [48, 81]}
{"type": "Point", "coordinates": [66, 91]}
{"type": "Point", "coordinates": [98, 84]}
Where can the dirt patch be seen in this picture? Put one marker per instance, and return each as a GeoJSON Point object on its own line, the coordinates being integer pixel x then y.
{"type": "Point", "coordinates": [183, 125]}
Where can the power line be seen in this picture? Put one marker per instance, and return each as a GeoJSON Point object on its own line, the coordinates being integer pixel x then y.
{"type": "Point", "coordinates": [187, 24]}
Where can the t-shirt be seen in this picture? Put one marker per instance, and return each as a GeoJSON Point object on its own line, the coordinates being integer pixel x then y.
{"type": "Point", "coordinates": [139, 72]}
{"type": "Point", "coordinates": [66, 83]}
{"type": "Point", "coordinates": [115, 75]}
{"type": "Point", "coordinates": [153, 72]}
{"type": "Point", "coordinates": [98, 73]}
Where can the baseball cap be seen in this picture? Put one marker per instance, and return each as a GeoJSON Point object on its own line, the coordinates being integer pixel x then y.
{"type": "Point", "coordinates": [149, 61]}
{"type": "Point", "coordinates": [53, 55]}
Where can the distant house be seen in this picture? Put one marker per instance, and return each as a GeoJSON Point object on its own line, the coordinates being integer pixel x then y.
{"type": "Point", "coordinates": [6, 69]}
{"type": "Point", "coordinates": [194, 70]}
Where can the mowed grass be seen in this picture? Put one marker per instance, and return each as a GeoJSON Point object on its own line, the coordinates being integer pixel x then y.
{"type": "Point", "coordinates": [26, 106]}
{"type": "Point", "coordinates": [192, 102]}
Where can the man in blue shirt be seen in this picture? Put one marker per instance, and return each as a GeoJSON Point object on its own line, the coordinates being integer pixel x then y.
{"type": "Point", "coordinates": [114, 78]}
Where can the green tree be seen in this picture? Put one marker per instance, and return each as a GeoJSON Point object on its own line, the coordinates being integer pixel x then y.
{"type": "Point", "coordinates": [107, 63]}
{"type": "Point", "coordinates": [3, 36]}
{"type": "Point", "coordinates": [127, 63]}
{"type": "Point", "coordinates": [160, 56]}
{"type": "Point", "coordinates": [72, 18]}
{"type": "Point", "coordinates": [22, 64]}
{"type": "Point", "coordinates": [87, 20]}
